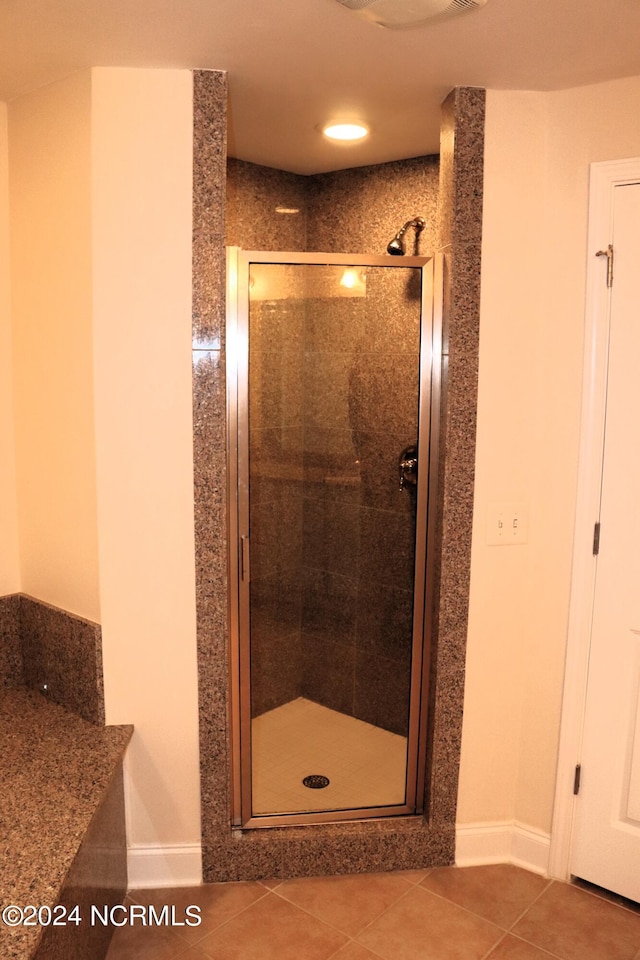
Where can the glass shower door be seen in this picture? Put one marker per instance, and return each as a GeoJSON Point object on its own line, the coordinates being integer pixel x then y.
{"type": "Point", "coordinates": [332, 479]}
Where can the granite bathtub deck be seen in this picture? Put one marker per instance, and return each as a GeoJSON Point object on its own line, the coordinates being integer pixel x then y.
{"type": "Point", "coordinates": [55, 770]}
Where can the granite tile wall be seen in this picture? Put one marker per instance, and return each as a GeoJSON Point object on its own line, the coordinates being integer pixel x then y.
{"type": "Point", "coordinates": [63, 652]}
{"type": "Point", "coordinates": [41, 645]}
{"type": "Point", "coordinates": [361, 411]}
{"type": "Point", "coordinates": [276, 349]}
{"type": "Point", "coordinates": [266, 209]}
{"type": "Point", "coordinates": [11, 674]}
{"type": "Point", "coordinates": [357, 364]}
{"type": "Point", "coordinates": [367, 845]}
{"type": "Point", "coordinates": [360, 210]}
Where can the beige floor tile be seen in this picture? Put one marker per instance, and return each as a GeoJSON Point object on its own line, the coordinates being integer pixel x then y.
{"type": "Point", "coordinates": [273, 929]}
{"type": "Point", "coordinates": [354, 951]}
{"type": "Point", "coordinates": [218, 903]}
{"type": "Point", "coordinates": [513, 949]}
{"type": "Point", "coordinates": [191, 953]}
{"type": "Point", "coordinates": [498, 892]}
{"type": "Point", "coordinates": [423, 926]}
{"type": "Point", "coordinates": [575, 925]}
{"type": "Point", "coordinates": [348, 903]}
{"type": "Point", "coordinates": [145, 943]}
{"type": "Point", "coordinates": [415, 876]}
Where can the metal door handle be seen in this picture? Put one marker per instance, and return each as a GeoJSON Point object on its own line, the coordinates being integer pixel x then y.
{"type": "Point", "coordinates": [408, 466]}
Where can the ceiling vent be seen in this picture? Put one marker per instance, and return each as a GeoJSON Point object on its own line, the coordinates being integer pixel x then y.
{"type": "Point", "coordinates": [407, 13]}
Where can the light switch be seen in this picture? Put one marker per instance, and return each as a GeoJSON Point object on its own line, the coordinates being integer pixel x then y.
{"type": "Point", "coordinates": [507, 523]}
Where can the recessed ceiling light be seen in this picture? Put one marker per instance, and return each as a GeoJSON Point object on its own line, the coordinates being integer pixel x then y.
{"type": "Point", "coordinates": [287, 209]}
{"type": "Point", "coordinates": [345, 131]}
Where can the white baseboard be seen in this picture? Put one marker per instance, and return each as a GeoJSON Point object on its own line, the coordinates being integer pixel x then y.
{"type": "Point", "coordinates": [505, 842]}
{"type": "Point", "coordinates": [164, 866]}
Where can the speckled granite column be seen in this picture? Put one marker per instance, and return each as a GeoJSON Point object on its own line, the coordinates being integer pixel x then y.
{"type": "Point", "coordinates": [210, 475]}
{"type": "Point", "coordinates": [459, 238]}
{"type": "Point", "coordinates": [365, 845]}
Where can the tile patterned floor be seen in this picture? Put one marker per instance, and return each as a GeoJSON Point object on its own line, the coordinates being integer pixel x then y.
{"type": "Point", "coordinates": [475, 913]}
{"type": "Point", "coordinates": [365, 764]}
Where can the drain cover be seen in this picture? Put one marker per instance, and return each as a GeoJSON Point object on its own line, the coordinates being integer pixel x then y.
{"type": "Point", "coordinates": [315, 781]}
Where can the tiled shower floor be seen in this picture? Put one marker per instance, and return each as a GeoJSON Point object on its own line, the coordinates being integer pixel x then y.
{"type": "Point", "coordinates": [449, 913]}
{"type": "Point", "coordinates": [365, 764]}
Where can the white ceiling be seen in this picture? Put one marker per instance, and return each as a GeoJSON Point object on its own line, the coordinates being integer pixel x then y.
{"type": "Point", "coordinates": [294, 64]}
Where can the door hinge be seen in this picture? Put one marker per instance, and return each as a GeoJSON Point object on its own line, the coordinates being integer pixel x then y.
{"type": "Point", "coordinates": [576, 780]}
{"type": "Point", "coordinates": [596, 539]}
{"type": "Point", "coordinates": [608, 253]}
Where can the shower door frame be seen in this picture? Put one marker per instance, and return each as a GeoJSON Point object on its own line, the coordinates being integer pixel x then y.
{"type": "Point", "coordinates": [237, 387]}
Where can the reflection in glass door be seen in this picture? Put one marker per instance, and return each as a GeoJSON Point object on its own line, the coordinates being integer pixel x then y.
{"type": "Point", "coordinates": [331, 358]}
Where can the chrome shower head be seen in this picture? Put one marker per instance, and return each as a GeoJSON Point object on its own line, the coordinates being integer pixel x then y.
{"type": "Point", "coordinates": [396, 246]}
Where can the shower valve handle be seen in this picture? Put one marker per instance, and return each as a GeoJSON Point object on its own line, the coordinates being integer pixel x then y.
{"type": "Point", "coordinates": [408, 467]}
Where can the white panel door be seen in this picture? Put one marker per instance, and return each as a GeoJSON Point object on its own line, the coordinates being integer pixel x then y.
{"type": "Point", "coordinates": [606, 840]}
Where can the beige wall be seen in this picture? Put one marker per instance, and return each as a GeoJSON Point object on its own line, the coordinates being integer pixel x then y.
{"type": "Point", "coordinates": [100, 184]}
{"type": "Point", "coordinates": [141, 184]}
{"type": "Point", "coordinates": [9, 561]}
{"type": "Point", "coordinates": [538, 151]}
{"type": "Point", "coordinates": [50, 199]}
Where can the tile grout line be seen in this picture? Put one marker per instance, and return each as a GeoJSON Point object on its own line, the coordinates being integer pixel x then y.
{"type": "Point", "coordinates": [471, 913]}
{"type": "Point", "coordinates": [411, 886]}
{"type": "Point", "coordinates": [487, 955]}
{"type": "Point", "coordinates": [547, 886]}
{"type": "Point", "coordinates": [418, 886]}
{"type": "Point", "coordinates": [199, 940]}
{"type": "Point", "coordinates": [566, 883]}
{"type": "Point", "coordinates": [353, 940]}
{"type": "Point", "coordinates": [505, 931]}
{"type": "Point", "coordinates": [510, 932]}
{"type": "Point", "coordinates": [542, 950]}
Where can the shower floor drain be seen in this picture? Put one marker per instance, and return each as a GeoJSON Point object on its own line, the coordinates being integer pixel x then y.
{"type": "Point", "coordinates": [315, 781]}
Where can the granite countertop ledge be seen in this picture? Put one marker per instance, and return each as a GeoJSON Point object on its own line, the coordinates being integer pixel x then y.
{"type": "Point", "coordinates": [55, 768]}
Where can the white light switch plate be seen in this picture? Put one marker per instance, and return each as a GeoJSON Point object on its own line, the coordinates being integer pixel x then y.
{"type": "Point", "coordinates": [507, 523]}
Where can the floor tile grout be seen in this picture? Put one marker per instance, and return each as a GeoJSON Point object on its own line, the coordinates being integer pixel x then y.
{"type": "Point", "coordinates": [547, 886]}
{"type": "Point", "coordinates": [183, 947]}
{"type": "Point", "coordinates": [543, 950]}
{"type": "Point", "coordinates": [495, 946]}
{"type": "Point", "coordinates": [411, 886]}
{"type": "Point", "coordinates": [199, 940]}
{"type": "Point", "coordinates": [472, 913]}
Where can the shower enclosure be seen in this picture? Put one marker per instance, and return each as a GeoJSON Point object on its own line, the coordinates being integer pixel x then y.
{"type": "Point", "coordinates": [332, 386]}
